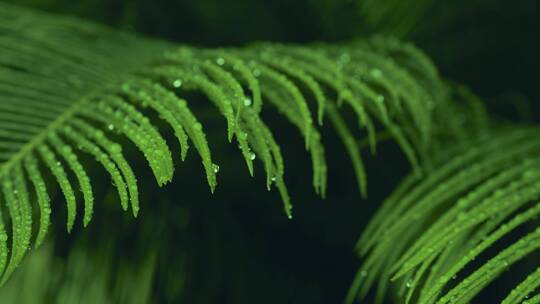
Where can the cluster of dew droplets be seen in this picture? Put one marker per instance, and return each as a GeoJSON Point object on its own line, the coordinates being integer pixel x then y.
{"type": "Point", "coordinates": [254, 70]}
{"type": "Point", "coordinates": [88, 146]}
{"type": "Point", "coordinates": [198, 127]}
{"type": "Point", "coordinates": [251, 154]}
{"type": "Point", "coordinates": [43, 199]}
{"type": "Point", "coordinates": [72, 161]}
{"type": "Point", "coordinates": [115, 152]}
{"type": "Point", "coordinates": [58, 171]}
{"type": "Point", "coordinates": [138, 126]}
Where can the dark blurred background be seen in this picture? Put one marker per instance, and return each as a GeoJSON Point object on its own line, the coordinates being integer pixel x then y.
{"type": "Point", "coordinates": [237, 246]}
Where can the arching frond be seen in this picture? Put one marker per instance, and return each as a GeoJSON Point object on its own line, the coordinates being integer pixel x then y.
{"type": "Point", "coordinates": [439, 238]}
{"type": "Point", "coordinates": [70, 88]}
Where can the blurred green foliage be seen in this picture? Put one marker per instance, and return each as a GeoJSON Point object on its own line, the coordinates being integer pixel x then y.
{"type": "Point", "coordinates": [235, 247]}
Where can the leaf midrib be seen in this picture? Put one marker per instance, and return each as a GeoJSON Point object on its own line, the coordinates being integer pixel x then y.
{"type": "Point", "coordinates": [41, 137]}
{"type": "Point", "coordinates": [72, 110]}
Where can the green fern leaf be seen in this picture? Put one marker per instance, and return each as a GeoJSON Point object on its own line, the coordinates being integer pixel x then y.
{"type": "Point", "coordinates": [429, 232]}
{"type": "Point", "coordinates": [70, 88]}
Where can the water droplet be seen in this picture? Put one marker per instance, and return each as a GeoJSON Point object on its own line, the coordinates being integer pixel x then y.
{"type": "Point", "coordinates": [220, 61]}
{"type": "Point", "coordinates": [288, 211]}
{"type": "Point", "coordinates": [252, 155]}
{"type": "Point", "coordinates": [216, 168]}
{"type": "Point", "coordinates": [409, 284]}
{"type": "Point", "coordinates": [247, 102]}
{"type": "Point", "coordinates": [177, 83]}
{"type": "Point", "coordinates": [110, 127]}
{"type": "Point", "coordinates": [273, 178]}
{"type": "Point", "coordinates": [256, 73]}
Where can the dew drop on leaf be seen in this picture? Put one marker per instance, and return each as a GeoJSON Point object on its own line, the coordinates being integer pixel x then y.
{"type": "Point", "coordinates": [177, 83]}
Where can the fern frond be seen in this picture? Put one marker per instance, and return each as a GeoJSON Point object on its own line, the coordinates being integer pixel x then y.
{"type": "Point", "coordinates": [70, 88]}
{"type": "Point", "coordinates": [429, 231]}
